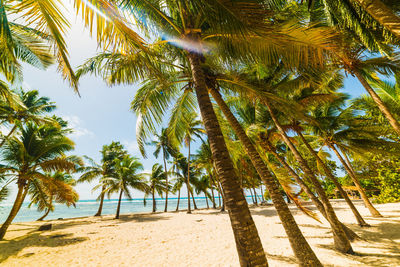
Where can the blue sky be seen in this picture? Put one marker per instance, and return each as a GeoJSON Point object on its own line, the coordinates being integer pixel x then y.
{"type": "Point", "coordinates": [101, 115]}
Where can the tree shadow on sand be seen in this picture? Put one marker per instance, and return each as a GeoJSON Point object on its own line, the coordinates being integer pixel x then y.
{"type": "Point", "coordinates": [379, 237]}
{"type": "Point", "coordinates": [12, 247]}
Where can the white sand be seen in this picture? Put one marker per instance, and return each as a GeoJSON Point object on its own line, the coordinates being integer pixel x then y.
{"type": "Point", "coordinates": [202, 239]}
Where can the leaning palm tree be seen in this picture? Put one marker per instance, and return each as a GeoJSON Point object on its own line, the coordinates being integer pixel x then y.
{"type": "Point", "coordinates": [163, 144]}
{"type": "Point", "coordinates": [58, 189]}
{"type": "Point", "coordinates": [234, 29]}
{"type": "Point", "coordinates": [30, 155]}
{"type": "Point", "coordinates": [127, 177]}
{"type": "Point", "coordinates": [157, 183]}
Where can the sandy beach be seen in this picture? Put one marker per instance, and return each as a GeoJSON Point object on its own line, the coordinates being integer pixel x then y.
{"type": "Point", "coordinates": [203, 238]}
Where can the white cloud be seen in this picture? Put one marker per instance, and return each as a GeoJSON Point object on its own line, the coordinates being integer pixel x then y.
{"type": "Point", "coordinates": [76, 124]}
{"type": "Point", "coordinates": [131, 146]}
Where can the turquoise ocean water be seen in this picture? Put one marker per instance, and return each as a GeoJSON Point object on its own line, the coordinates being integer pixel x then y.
{"type": "Point", "coordinates": [89, 208]}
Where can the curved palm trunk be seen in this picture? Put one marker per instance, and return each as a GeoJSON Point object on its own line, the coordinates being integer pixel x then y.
{"type": "Point", "coordinates": [194, 202]}
{"type": "Point", "coordinates": [341, 241]}
{"type": "Point", "coordinates": [213, 198]}
{"type": "Point", "coordinates": [188, 181]}
{"type": "Point", "coordinates": [8, 135]}
{"type": "Point", "coordinates": [219, 199]}
{"type": "Point", "coordinates": [248, 243]}
{"type": "Point", "coordinates": [179, 198]}
{"type": "Point", "coordinates": [374, 212]}
{"type": "Point", "coordinates": [119, 205]}
{"type": "Point", "coordinates": [44, 215]}
{"type": "Point", "coordinates": [378, 101]}
{"type": "Point", "coordinates": [166, 182]}
{"type": "Point", "coordinates": [154, 200]}
{"type": "Point", "coordinates": [14, 210]}
{"type": "Point", "coordinates": [383, 14]}
{"type": "Point", "coordinates": [206, 200]}
{"type": "Point", "coordinates": [301, 248]}
{"type": "Point", "coordinates": [328, 173]}
{"type": "Point", "coordinates": [317, 203]}
{"type": "Point", "coordinates": [98, 213]}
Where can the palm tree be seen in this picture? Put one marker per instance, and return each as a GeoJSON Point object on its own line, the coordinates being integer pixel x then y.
{"type": "Point", "coordinates": [202, 187]}
{"type": "Point", "coordinates": [261, 87]}
{"type": "Point", "coordinates": [58, 189]}
{"type": "Point", "coordinates": [4, 190]}
{"type": "Point", "coordinates": [49, 31]}
{"type": "Point", "coordinates": [342, 132]}
{"type": "Point", "coordinates": [266, 143]}
{"type": "Point", "coordinates": [31, 108]}
{"type": "Point", "coordinates": [157, 183]}
{"type": "Point", "coordinates": [35, 152]}
{"type": "Point", "coordinates": [361, 21]}
{"type": "Point", "coordinates": [189, 27]}
{"type": "Point", "coordinates": [164, 145]}
{"type": "Point", "coordinates": [126, 177]}
{"type": "Point", "coordinates": [191, 130]}
{"type": "Point", "coordinates": [109, 154]}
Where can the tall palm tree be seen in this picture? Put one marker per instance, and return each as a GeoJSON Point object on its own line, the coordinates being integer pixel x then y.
{"type": "Point", "coordinates": [191, 130]}
{"type": "Point", "coordinates": [260, 86]}
{"type": "Point", "coordinates": [35, 152]}
{"type": "Point", "coordinates": [157, 183]}
{"type": "Point", "coordinates": [341, 132]}
{"type": "Point", "coordinates": [109, 153]}
{"type": "Point", "coordinates": [189, 27]}
{"type": "Point", "coordinates": [126, 178]}
{"type": "Point", "coordinates": [164, 145]}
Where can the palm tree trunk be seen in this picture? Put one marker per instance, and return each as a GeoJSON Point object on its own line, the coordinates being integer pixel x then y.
{"type": "Point", "coordinates": [378, 101]}
{"type": "Point", "coordinates": [188, 181]}
{"type": "Point", "coordinates": [262, 194]}
{"type": "Point", "coordinates": [252, 197]}
{"type": "Point", "coordinates": [179, 198]}
{"type": "Point", "coordinates": [374, 212]}
{"type": "Point", "coordinates": [219, 199]}
{"type": "Point", "coordinates": [301, 248]}
{"type": "Point", "coordinates": [287, 198]}
{"type": "Point", "coordinates": [248, 243]}
{"type": "Point", "coordinates": [328, 173]}
{"type": "Point", "coordinates": [14, 210]}
{"type": "Point", "coordinates": [341, 241]}
{"type": "Point", "coordinates": [44, 215]}
{"type": "Point", "coordinates": [383, 14]}
{"type": "Point", "coordinates": [119, 205]}
{"type": "Point", "coordinates": [213, 198]}
{"type": "Point", "coordinates": [194, 202]}
{"type": "Point", "coordinates": [257, 195]}
{"type": "Point", "coordinates": [317, 203]}
{"type": "Point", "coordinates": [154, 200]}
{"type": "Point", "coordinates": [98, 213]}
{"type": "Point", "coordinates": [166, 182]}
{"type": "Point", "coordinates": [8, 135]}
{"type": "Point", "coordinates": [206, 200]}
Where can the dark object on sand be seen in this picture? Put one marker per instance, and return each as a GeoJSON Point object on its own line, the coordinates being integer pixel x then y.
{"type": "Point", "coordinates": [60, 219]}
{"type": "Point", "coordinates": [45, 227]}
